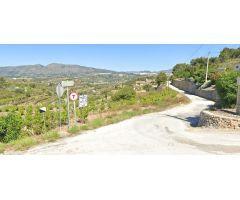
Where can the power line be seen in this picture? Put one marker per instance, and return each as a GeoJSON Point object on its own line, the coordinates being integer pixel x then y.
{"type": "Point", "coordinates": [196, 51]}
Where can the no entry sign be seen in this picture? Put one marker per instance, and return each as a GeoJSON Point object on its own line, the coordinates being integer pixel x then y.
{"type": "Point", "coordinates": [73, 96]}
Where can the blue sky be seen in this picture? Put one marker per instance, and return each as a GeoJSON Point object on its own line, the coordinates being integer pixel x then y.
{"type": "Point", "coordinates": [125, 57]}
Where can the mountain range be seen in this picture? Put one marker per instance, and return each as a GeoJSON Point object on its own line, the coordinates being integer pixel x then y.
{"type": "Point", "coordinates": [50, 70]}
{"type": "Point", "coordinates": [55, 70]}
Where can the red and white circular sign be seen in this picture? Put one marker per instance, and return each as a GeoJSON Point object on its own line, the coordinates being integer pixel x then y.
{"type": "Point", "coordinates": [73, 96]}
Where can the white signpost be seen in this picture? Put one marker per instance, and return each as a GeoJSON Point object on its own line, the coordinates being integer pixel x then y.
{"type": "Point", "coordinates": [68, 84]}
{"type": "Point", "coordinates": [83, 101]}
{"type": "Point", "coordinates": [60, 90]}
{"type": "Point", "coordinates": [73, 96]}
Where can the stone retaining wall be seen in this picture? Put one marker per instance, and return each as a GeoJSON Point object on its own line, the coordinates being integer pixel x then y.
{"type": "Point", "coordinates": [191, 87]}
{"type": "Point", "coordinates": [187, 86]}
{"type": "Point", "coordinates": [212, 120]}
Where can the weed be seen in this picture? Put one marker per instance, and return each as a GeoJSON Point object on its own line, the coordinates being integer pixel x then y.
{"type": "Point", "coordinates": [50, 136]}
{"type": "Point", "coordinates": [74, 130]}
{"type": "Point", "coordinates": [97, 123]}
{"type": "Point", "coordinates": [84, 127]}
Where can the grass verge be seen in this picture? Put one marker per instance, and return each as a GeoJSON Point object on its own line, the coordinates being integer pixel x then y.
{"type": "Point", "coordinates": [74, 130]}
{"type": "Point", "coordinates": [22, 143]}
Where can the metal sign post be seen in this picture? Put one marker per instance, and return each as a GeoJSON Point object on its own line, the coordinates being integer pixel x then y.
{"type": "Point", "coordinates": [60, 91]}
{"type": "Point", "coordinates": [75, 115]}
{"type": "Point", "coordinates": [68, 108]}
{"type": "Point", "coordinates": [74, 97]}
{"type": "Point", "coordinates": [68, 84]}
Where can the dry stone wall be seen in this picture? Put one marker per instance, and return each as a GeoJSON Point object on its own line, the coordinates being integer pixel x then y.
{"type": "Point", "coordinates": [191, 87]}
{"type": "Point", "coordinates": [213, 120]}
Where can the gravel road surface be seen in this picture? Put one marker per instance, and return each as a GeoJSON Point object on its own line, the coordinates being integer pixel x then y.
{"type": "Point", "coordinates": [168, 132]}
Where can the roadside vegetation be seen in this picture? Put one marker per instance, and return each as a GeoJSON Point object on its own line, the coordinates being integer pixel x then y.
{"type": "Point", "coordinates": [221, 74]}
{"type": "Point", "coordinates": [22, 125]}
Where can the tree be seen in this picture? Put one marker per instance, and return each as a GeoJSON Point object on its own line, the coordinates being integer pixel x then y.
{"type": "Point", "coordinates": [228, 53]}
{"type": "Point", "coordinates": [227, 88]}
{"type": "Point", "coordinates": [182, 70]}
{"type": "Point", "coordinates": [161, 78]}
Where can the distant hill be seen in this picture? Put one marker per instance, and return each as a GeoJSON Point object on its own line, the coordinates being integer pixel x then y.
{"type": "Point", "coordinates": [51, 70]}
{"type": "Point", "coordinates": [147, 72]}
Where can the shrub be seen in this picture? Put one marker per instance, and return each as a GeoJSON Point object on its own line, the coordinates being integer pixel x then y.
{"type": "Point", "coordinates": [38, 124]}
{"type": "Point", "coordinates": [214, 76]}
{"type": "Point", "coordinates": [161, 78]}
{"type": "Point", "coordinates": [82, 113]}
{"type": "Point", "coordinates": [227, 89]}
{"type": "Point", "coordinates": [10, 127]}
{"type": "Point", "coordinates": [199, 75]}
{"type": "Point", "coordinates": [147, 87]}
{"type": "Point", "coordinates": [182, 71]}
{"type": "Point", "coordinates": [125, 93]}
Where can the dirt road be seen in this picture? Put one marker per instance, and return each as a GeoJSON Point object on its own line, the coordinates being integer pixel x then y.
{"type": "Point", "coordinates": [167, 132]}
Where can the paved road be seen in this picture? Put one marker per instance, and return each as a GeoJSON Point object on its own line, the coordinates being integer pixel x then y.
{"type": "Point", "coordinates": [167, 132]}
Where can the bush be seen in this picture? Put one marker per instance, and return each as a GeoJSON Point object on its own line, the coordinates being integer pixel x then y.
{"type": "Point", "coordinates": [182, 71]}
{"type": "Point", "coordinates": [199, 75]}
{"type": "Point", "coordinates": [37, 123]}
{"type": "Point", "coordinates": [126, 93]}
{"type": "Point", "coordinates": [227, 89]}
{"type": "Point", "coordinates": [10, 127]}
{"type": "Point", "coordinates": [214, 76]}
{"type": "Point", "coordinates": [147, 87]}
{"type": "Point", "coordinates": [161, 78]}
{"type": "Point", "coordinates": [82, 113]}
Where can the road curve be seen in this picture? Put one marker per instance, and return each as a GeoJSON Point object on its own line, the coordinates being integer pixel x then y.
{"type": "Point", "coordinates": [167, 132]}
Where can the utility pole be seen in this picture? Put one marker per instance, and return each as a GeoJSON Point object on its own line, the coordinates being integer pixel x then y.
{"type": "Point", "coordinates": [238, 97]}
{"type": "Point", "coordinates": [207, 66]}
